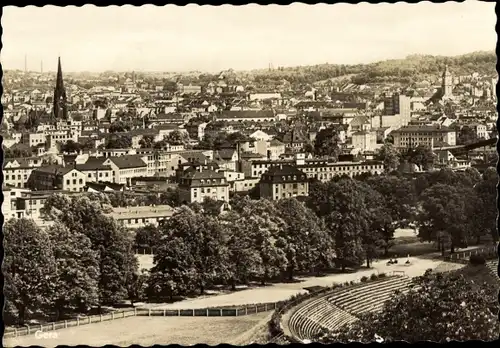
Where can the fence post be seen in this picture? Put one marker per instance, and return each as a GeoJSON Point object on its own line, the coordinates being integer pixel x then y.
{"type": "Point", "coordinates": [41, 327]}
{"type": "Point", "coordinates": [164, 312]}
{"type": "Point", "coordinates": [112, 315]}
{"type": "Point", "coordinates": [178, 312]}
{"type": "Point", "coordinates": [53, 326]}
{"type": "Point", "coordinates": [265, 307]}
{"type": "Point", "coordinates": [207, 312]}
{"type": "Point", "coordinates": [123, 314]}
{"type": "Point", "coordinates": [29, 329]}
{"type": "Point", "coordinates": [15, 332]}
{"type": "Point", "coordinates": [65, 324]}
{"type": "Point", "coordinates": [246, 310]}
{"type": "Point", "coordinates": [78, 321]}
{"type": "Point", "coordinates": [135, 311]}
{"type": "Point", "coordinates": [193, 312]}
{"type": "Point", "coordinates": [220, 312]}
{"type": "Point", "coordinates": [149, 312]}
{"type": "Point", "coordinates": [256, 309]}
{"type": "Point", "coordinates": [100, 317]}
{"type": "Point", "coordinates": [90, 320]}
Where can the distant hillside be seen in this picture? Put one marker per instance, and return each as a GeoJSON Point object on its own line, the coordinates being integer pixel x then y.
{"type": "Point", "coordinates": [410, 69]}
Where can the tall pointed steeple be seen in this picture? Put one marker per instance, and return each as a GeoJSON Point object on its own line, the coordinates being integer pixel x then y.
{"type": "Point", "coordinates": [60, 110]}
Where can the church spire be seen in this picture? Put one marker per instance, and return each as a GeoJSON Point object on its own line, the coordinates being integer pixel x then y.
{"type": "Point", "coordinates": [59, 80]}
{"type": "Point", "coordinates": [60, 110]}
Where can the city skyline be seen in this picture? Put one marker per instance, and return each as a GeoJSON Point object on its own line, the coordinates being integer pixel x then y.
{"type": "Point", "coordinates": [194, 38]}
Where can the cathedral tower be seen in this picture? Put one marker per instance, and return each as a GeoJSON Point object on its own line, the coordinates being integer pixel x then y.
{"type": "Point", "coordinates": [60, 111]}
{"type": "Point", "coordinates": [447, 83]}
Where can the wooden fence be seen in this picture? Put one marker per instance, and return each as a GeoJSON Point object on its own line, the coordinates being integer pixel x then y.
{"type": "Point", "coordinates": [224, 311]}
{"type": "Point", "coordinates": [463, 256]}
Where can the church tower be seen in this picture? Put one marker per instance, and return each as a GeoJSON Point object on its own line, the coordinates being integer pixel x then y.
{"type": "Point", "coordinates": [60, 111]}
{"type": "Point", "coordinates": [447, 83]}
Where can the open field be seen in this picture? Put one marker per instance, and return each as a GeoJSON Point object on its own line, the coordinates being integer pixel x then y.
{"type": "Point", "coordinates": [147, 331]}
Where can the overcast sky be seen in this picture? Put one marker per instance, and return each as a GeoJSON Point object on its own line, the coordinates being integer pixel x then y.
{"type": "Point", "coordinates": [207, 38]}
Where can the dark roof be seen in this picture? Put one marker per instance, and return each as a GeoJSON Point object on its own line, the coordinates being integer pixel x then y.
{"type": "Point", "coordinates": [247, 114]}
{"type": "Point", "coordinates": [128, 161]}
{"type": "Point", "coordinates": [437, 129]}
{"type": "Point", "coordinates": [225, 154]}
{"type": "Point", "coordinates": [192, 173]}
{"type": "Point", "coordinates": [54, 169]}
{"type": "Point", "coordinates": [284, 173]}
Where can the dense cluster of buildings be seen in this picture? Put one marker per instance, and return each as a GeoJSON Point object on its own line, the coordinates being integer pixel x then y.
{"type": "Point", "coordinates": [271, 156]}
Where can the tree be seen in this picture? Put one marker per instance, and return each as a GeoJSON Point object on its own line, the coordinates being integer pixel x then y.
{"type": "Point", "coordinates": [486, 211]}
{"type": "Point", "coordinates": [119, 127]}
{"type": "Point", "coordinates": [147, 141]}
{"type": "Point", "coordinates": [71, 147]}
{"type": "Point", "coordinates": [170, 197]}
{"type": "Point", "coordinates": [422, 156]}
{"type": "Point", "coordinates": [264, 223]}
{"type": "Point", "coordinates": [467, 136]}
{"type": "Point", "coordinates": [445, 215]}
{"type": "Point", "coordinates": [298, 237]}
{"type": "Point", "coordinates": [440, 307]}
{"type": "Point", "coordinates": [400, 197]}
{"type": "Point", "coordinates": [17, 153]}
{"type": "Point", "coordinates": [192, 254]}
{"type": "Point", "coordinates": [341, 205]}
{"type": "Point", "coordinates": [147, 237]}
{"type": "Point", "coordinates": [379, 229]}
{"type": "Point", "coordinates": [28, 268]}
{"type": "Point", "coordinates": [76, 277]}
{"type": "Point", "coordinates": [177, 138]}
{"type": "Point", "coordinates": [390, 156]}
{"type": "Point", "coordinates": [119, 142]}
{"type": "Point", "coordinates": [113, 244]}
{"type": "Point", "coordinates": [244, 260]}
{"type": "Point", "coordinates": [327, 143]}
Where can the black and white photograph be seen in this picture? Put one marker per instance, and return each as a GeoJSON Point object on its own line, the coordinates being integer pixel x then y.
{"type": "Point", "coordinates": [251, 174]}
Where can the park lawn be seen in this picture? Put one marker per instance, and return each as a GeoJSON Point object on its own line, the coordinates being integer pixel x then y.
{"type": "Point", "coordinates": [147, 331]}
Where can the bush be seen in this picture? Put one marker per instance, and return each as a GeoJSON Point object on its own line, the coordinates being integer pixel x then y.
{"type": "Point", "coordinates": [373, 276]}
{"type": "Point", "coordinates": [382, 275]}
{"type": "Point", "coordinates": [364, 279]}
{"type": "Point", "coordinates": [351, 282]}
{"type": "Point", "coordinates": [477, 260]}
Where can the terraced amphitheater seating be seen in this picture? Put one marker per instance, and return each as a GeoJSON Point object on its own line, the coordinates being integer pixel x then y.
{"type": "Point", "coordinates": [315, 316]}
{"type": "Point", "coordinates": [332, 311]}
{"type": "Point", "coordinates": [370, 297]}
{"type": "Point", "coordinates": [493, 267]}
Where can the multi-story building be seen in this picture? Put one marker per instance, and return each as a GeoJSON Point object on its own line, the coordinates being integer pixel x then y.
{"type": "Point", "coordinates": [283, 181]}
{"type": "Point", "coordinates": [396, 105]}
{"type": "Point", "coordinates": [196, 185]}
{"type": "Point", "coordinates": [323, 170]}
{"type": "Point", "coordinates": [56, 177]}
{"type": "Point", "coordinates": [126, 167]}
{"type": "Point", "coordinates": [17, 171]}
{"type": "Point", "coordinates": [136, 217]}
{"type": "Point", "coordinates": [431, 136]}
{"type": "Point", "coordinates": [481, 130]}
{"type": "Point", "coordinates": [364, 141]}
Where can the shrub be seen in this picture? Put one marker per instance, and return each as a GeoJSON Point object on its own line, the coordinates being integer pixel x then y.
{"type": "Point", "coordinates": [351, 282]}
{"type": "Point", "coordinates": [382, 275]}
{"type": "Point", "coordinates": [373, 276]}
{"type": "Point", "coordinates": [477, 260]}
{"type": "Point", "coordinates": [364, 279]}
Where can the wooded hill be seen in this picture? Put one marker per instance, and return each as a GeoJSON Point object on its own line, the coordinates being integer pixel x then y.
{"type": "Point", "coordinates": [410, 69]}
